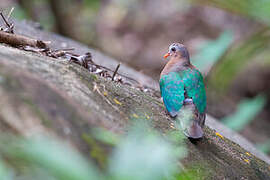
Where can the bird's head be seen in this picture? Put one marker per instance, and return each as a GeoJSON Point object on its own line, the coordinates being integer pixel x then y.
{"type": "Point", "coordinates": [177, 50]}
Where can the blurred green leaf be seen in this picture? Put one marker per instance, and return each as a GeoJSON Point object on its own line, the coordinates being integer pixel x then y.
{"type": "Point", "coordinates": [259, 10]}
{"type": "Point", "coordinates": [106, 136]}
{"type": "Point", "coordinates": [264, 147]}
{"type": "Point", "coordinates": [4, 172]}
{"type": "Point", "coordinates": [19, 13]}
{"type": "Point", "coordinates": [234, 61]}
{"type": "Point", "coordinates": [212, 51]}
{"type": "Point", "coordinates": [93, 4]}
{"type": "Point", "coordinates": [246, 111]}
{"type": "Point", "coordinates": [58, 159]}
{"type": "Point", "coordinates": [190, 174]}
{"type": "Point", "coordinates": [176, 137]}
{"type": "Point", "coordinates": [237, 58]}
{"type": "Point", "coordinates": [143, 155]}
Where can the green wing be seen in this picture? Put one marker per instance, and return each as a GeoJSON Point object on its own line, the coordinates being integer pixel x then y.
{"type": "Point", "coordinates": [195, 89]}
{"type": "Point", "coordinates": [172, 91]}
{"type": "Point", "coordinates": [174, 85]}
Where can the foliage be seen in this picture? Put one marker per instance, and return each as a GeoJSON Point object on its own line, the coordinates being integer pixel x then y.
{"type": "Point", "coordinates": [264, 147]}
{"type": "Point", "coordinates": [93, 4]}
{"type": "Point", "coordinates": [242, 53]}
{"type": "Point", "coordinates": [212, 51]}
{"type": "Point", "coordinates": [258, 10]}
{"type": "Point", "coordinates": [47, 157]}
{"type": "Point", "coordinates": [4, 172]}
{"type": "Point", "coordinates": [142, 154]}
{"type": "Point", "coordinates": [106, 136]}
{"type": "Point", "coordinates": [19, 13]}
{"type": "Point", "coordinates": [246, 111]}
{"type": "Point", "coordinates": [237, 59]}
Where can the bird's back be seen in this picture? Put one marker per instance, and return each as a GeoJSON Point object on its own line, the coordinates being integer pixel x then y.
{"type": "Point", "coordinates": [183, 91]}
{"type": "Point", "coordinates": [183, 94]}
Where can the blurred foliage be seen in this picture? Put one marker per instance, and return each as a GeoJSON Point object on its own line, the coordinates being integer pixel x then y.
{"type": "Point", "coordinates": [145, 155]}
{"type": "Point", "coordinates": [140, 155]}
{"type": "Point", "coordinates": [19, 13]}
{"type": "Point", "coordinates": [246, 111]}
{"type": "Point", "coordinates": [47, 157]}
{"type": "Point", "coordinates": [212, 51]}
{"type": "Point", "coordinates": [259, 10]}
{"type": "Point", "coordinates": [237, 59]}
{"type": "Point", "coordinates": [92, 4]}
{"type": "Point", "coordinates": [106, 137]}
{"type": "Point", "coordinates": [241, 53]}
{"type": "Point", "coordinates": [264, 147]}
{"type": "Point", "coordinates": [5, 174]}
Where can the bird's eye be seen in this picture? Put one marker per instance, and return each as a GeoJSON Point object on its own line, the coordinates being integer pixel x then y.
{"type": "Point", "coordinates": [173, 49]}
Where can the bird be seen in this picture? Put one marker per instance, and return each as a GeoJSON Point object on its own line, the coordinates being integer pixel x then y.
{"type": "Point", "coordinates": [183, 91]}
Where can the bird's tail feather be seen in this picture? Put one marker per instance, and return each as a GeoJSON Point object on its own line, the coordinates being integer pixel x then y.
{"type": "Point", "coordinates": [188, 122]}
{"type": "Point", "coordinates": [194, 131]}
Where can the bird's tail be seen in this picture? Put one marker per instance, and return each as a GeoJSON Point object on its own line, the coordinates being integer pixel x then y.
{"type": "Point", "coordinates": [190, 122]}
{"type": "Point", "coordinates": [194, 131]}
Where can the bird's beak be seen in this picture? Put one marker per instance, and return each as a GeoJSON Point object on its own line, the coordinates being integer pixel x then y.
{"type": "Point", "coordinates": [166, 55]}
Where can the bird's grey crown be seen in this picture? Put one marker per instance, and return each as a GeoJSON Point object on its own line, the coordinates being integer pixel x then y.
{"type": "Point", "coordinates": [181, 48]}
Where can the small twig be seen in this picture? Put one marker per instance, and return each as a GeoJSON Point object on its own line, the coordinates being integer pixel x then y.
{"type": "Point", "coordinates": [96, 88]}
{"type": "Point", "coordinates": [108, 69]}
{"type": "Point", "coordinates": [10, 12]}
{"type": "Point", "coordinates": [83, 60]}
{"type": "Point", "coordinates": [115, 72]}
{"type": "Point", "coordinates": [10, 27]}
{"type": "Point", "coordinates": [19, 40]}
{"type": "Point", "coordinates": [3, 17]}
{"type": "Point", "coordinates": [67, 49]}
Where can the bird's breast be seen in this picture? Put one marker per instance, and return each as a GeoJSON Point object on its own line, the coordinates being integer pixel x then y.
{"type": "Point", "coordinates": [175, 65]}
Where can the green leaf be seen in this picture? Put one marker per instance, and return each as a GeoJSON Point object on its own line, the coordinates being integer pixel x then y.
{"type": "Point", "coordinates": [190, 174]}
{"type": "Point", "coordinates": [258, 10]}
{"type": "Point", "coordinates": [212, 51]}
{"type": "Point", "coordinates": [246, 111]}
{"type": "Point", "coordinates": [19, 13]}
{"type": "Point", "coordinates": [143, 155]}
{"type": "Point", "coordinates": [56, 158]}
{"type": "Point", "coordinates": [264, 147]}
{"type": "Point", "coordinates": [234, 61]}
{"type": "Point", "coordinates": [92, 4]}
{"type": "Point", "coordinates": [4, 172]}
{"type": "Point", "coordinates": [106, 136]}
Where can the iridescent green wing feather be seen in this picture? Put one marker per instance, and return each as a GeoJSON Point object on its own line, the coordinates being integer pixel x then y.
{"type": "Point", "coordinates": [172, 91]}
{"type": "Point", "coordinates": [194, 86]}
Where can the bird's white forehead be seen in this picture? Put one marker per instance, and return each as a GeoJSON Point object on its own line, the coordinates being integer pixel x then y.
{"type": "Point", "coordinates": [176, 45]}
